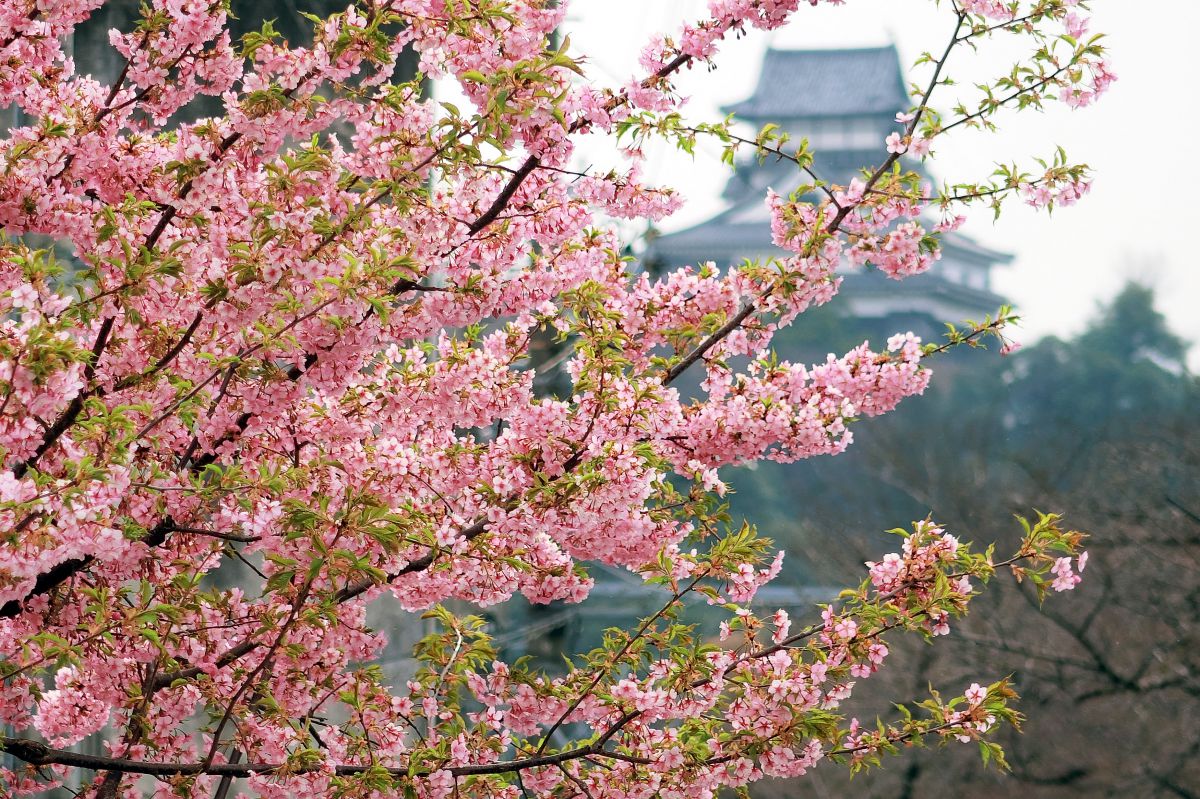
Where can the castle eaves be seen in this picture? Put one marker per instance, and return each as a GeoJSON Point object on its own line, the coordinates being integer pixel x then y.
{"type": "Point", "coordinates": [816, 83]}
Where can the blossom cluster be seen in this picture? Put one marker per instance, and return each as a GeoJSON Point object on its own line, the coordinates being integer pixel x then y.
{"type": "Point", "coordinates": [289, 366]}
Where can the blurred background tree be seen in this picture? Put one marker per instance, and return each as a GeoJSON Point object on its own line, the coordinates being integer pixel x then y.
{"type": "Point", "coordinates": [1102, 427]}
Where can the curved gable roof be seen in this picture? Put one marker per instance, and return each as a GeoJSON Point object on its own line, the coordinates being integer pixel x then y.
{"type": "Point", "coordinates": [811, 83]}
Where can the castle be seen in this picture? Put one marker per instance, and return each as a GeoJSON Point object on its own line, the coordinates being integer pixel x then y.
{"type": "Point", "coordinates": [844, 102]}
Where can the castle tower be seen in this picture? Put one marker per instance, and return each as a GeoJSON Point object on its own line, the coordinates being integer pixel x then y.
{"type": "Point", "coordinates": [844, 102]}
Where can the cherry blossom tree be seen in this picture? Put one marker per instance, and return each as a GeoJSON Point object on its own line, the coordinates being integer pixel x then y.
{"type": "Point", "coordinates": [298, 335]}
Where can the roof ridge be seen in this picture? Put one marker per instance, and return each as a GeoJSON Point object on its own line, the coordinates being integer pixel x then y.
{"type": "Point", "coordinates": [825, 50]}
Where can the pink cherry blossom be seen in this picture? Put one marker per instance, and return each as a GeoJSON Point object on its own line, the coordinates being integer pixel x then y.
{"type": "Point", "coordinates": [327, 345]}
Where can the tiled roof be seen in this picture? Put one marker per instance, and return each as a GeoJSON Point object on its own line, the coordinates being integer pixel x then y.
{"type": "Point", "coordinates": [800, 83]}
{"type": "Point", "coordinates": [744, 229]}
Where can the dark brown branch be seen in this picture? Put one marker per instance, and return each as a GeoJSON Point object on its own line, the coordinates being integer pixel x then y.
{"type": "Point", "coordinates": [31, 16]}
{"type": "Point", "coordinates": [38, 754]}
{"type": "Point", "coordinates": [167, 357]}
{"type": "Point", "coordinates": [703, 347]}
{"type": "Point", "coordinates": [419, 565]}
{"type": "Point", "coordinates": [73, 409]}
{"type": "Point", "coordinates": [532, 163]}
{"type": "Point", "coordinates": [348, 593]}
{"type": "Point", "coordinates": [48, 581]}
{"type": "Point", "coordinates": [506, 194]}
{"type": "Point", "coordinates": [239, 539]}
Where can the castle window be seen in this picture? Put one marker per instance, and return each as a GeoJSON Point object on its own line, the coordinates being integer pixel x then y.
{"type": "Point", "coordinates": [842, 133]}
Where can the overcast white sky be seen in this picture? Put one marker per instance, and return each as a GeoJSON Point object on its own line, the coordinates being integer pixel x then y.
{"type": "Point", "coordinates": [1141, 217]}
